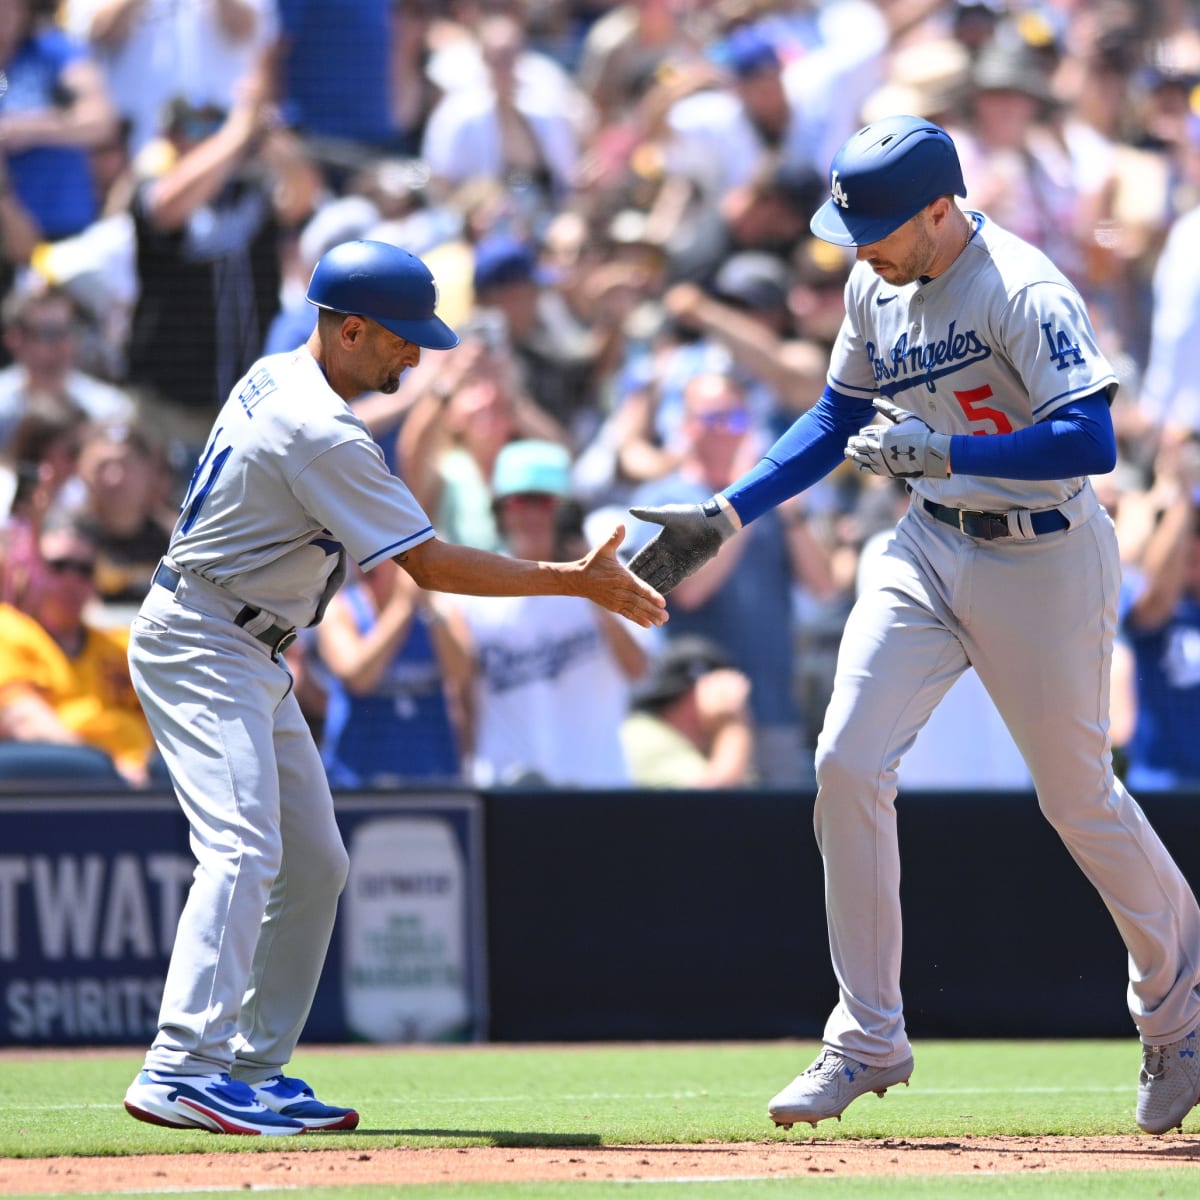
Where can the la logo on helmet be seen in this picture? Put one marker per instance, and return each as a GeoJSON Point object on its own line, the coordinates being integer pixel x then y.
{"type": "Point", "coordinates": [837, 192]}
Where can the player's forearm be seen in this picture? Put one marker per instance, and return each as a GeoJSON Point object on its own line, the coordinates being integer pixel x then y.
{"type": "Point", "coordinates": [808, 451]}
{"type": "Point", "coordinates": [441, 566]}
{"type": "Point", "coordinates": [1077, 440]}
{"type": "Point", "coordinates": [463, 570]}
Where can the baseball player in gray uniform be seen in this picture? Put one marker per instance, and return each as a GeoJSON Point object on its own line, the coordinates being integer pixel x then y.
{"type": "Point", "coordinates": [289, 484]}
{"type": "Point", "coordinates": [979, 356]}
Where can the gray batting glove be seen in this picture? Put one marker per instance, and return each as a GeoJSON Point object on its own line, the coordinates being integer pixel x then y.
{"type": "Point", "coordinates": [691, 534]}
{"type": "Point", "coordinates": [906, 449]}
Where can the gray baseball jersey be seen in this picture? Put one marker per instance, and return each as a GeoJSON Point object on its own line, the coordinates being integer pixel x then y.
{"type": "Point", "coordinates": [992, 345]}
{"type": "Point", "coordinates": [996, 342]}
{"type": "Point", "coordinates": [289, 476]}
{"type": "Point", "coordinates": [288, 479]}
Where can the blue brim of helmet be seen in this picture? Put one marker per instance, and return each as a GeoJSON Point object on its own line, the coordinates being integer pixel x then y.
{"type": "Point", "coordinates": [831, 223]}
{"type": "Point", "coordinates": [432, 333]}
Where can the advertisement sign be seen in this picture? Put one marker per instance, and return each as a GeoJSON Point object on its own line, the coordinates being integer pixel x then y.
{"type": "Point", "coordinates": [408, 959]}
{"type": "Point", "coordinates": [91, 889]}
{"type": "Point", "coordinates": [406, 965]}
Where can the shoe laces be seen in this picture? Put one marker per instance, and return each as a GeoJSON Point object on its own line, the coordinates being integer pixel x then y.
{"type": "Point", "coordinates": [1154, 1062]}
{"type": "Point", "coordinates": [1156, 1057]}
{"type": "Point", "coordinates": [830, 1064]}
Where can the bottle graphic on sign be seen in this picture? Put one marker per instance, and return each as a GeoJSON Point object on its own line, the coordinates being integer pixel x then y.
{"type": "Point", "coordinates": [405, 950]}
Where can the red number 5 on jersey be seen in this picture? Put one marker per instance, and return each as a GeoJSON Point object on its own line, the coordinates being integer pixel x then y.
{"type": "Point", "coordinates": [984, 420]}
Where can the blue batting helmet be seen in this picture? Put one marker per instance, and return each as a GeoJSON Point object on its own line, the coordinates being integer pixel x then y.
{"type": "Point", "coordinates": [882, 176]}
{"type": "Point", "coordinates": [390, 286]}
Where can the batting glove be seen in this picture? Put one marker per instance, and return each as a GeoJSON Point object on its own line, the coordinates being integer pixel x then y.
{"type": "Point", "coordinates": [691, 534]}
{"type": "Point", "coordinates": [906, 449]}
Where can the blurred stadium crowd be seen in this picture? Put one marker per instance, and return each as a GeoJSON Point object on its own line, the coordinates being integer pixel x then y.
{"type": "Point", "coordinates": [614, 200]}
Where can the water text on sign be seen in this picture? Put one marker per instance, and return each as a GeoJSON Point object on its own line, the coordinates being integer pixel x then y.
{"type": "Point", "coordinates": [89, 906]}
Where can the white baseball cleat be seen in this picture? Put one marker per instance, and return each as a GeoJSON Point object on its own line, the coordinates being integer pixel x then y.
{"type": "Point", "coordinates": [1168, 1084]}
{"type": "Point", "coordinates": [829, 1085]}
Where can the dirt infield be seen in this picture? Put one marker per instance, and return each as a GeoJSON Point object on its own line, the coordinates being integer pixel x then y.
{"type": "Point", "coordinates": [745, 1160]}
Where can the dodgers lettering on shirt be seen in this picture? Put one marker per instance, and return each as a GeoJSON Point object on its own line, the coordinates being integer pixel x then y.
{"type": "Point", "coordinates": [545, 672]}
{"type": "Point", "coordinates": [508, 667]}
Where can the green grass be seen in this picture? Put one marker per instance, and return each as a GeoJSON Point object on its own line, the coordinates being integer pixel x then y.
{"type": "Point", "coordinates": [600, 1095]}
{"type": "Point", "coordinates": [595, 1095]}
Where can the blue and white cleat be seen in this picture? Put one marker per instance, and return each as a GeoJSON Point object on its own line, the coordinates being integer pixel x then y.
{"type": "Point", "coordinates": [829, 1085]}
{"type": "Point", "coordinates": [213, 1102]}
{"type": "Point", "coordinates": [294, 1098]}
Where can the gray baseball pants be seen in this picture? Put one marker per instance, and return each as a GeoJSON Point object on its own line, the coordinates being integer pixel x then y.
{"type": "Point", "coordinates": [1036, 619]}
{"type": "Point", "coordinates": [255, 929]}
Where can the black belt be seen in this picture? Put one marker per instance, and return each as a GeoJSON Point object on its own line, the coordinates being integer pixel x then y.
{"type": "Point", "coordinates": [277, 637]}
{"type": "Point", "coordinates": [992, 525]}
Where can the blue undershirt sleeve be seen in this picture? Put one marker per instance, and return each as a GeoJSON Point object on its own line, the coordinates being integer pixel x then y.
{"type": "Point", "coordinates": [1077, 439]}
{"type": "Point", "coordinates": [808, 451]}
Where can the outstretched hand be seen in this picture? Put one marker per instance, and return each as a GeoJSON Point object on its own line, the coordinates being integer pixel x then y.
{"type": "Point", "coordinates": [691, 534]}
{"type": "Point", "coordinates": [609, 583]}
{"type": "Point", "coordinates": [906, 449]}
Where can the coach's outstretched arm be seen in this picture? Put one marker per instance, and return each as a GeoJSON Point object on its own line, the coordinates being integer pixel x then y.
{"type": "Point", "coordinates": [691, 534]}
{"type": "Point", "coordinates": [599, 576]}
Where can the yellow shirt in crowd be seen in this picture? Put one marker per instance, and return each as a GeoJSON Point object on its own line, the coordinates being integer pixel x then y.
{"type": "Point", "coordinates": [91, 693]}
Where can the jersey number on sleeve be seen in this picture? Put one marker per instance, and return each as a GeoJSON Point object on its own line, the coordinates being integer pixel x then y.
{"type": "Point", "coordinates": [193, 502]}
{"type": "Point", "coordinates": [984, 420]}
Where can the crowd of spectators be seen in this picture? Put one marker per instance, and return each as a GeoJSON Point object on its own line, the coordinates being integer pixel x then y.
{"type": "Point", "coordinates": [614, 201]}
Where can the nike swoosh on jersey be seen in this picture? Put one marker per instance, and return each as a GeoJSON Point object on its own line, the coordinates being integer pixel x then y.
{"type": "Point", "coordinates": [882, 300]}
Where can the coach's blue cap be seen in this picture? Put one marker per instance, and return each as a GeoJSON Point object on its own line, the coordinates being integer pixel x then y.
{"type": "Point", "coordinates": [385, 283]}
{"type": "Point", "coordinates": [882, 176]}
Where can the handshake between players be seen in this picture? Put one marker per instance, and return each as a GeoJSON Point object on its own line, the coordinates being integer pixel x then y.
{"type": "Point", "coordinates": [691, 534]}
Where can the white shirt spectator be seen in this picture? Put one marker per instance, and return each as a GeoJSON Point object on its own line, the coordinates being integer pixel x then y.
{"type": "Point", "coordinates": [462, 138]}
{"type": "Point", "coordinates": [1171, 388]}
{"type": "Point", "coordinates": [713, 138]}
{"type": "Point", "coordinates": [103, 403]}
{"type": "Point", "coordinates": [550, 697]}
{"type": "Point", "coordinates": [172, 48]}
